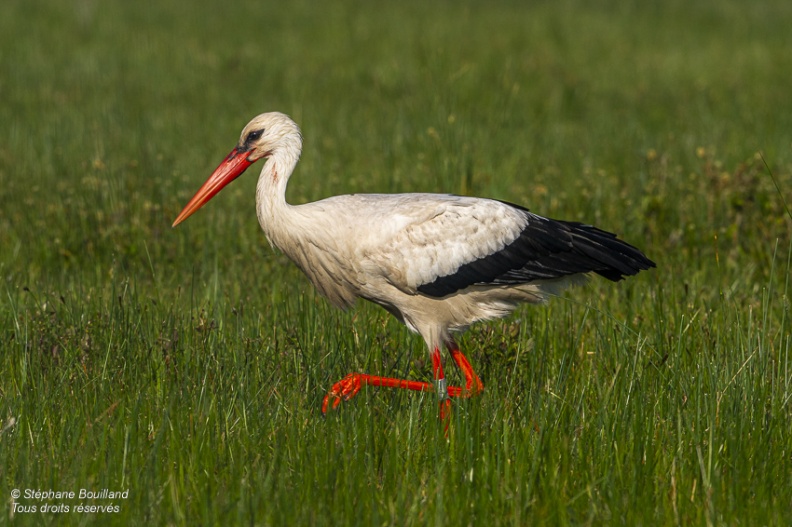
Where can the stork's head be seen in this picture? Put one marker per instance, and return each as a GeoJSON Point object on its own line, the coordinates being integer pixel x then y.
{"type": "Point", "coordinates": [267, 135]}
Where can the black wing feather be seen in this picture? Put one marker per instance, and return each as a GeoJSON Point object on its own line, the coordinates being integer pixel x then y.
{"type": "Point", "coordinates": [546, 249]}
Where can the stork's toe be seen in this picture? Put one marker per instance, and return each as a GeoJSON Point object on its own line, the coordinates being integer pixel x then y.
{"type": "Point", "coordinates": [344, 390]}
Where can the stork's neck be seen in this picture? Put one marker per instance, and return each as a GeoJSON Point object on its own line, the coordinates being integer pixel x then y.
{"type": "Point", "coordinates": [271, 206]}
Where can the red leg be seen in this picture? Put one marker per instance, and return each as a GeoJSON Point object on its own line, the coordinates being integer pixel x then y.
{"type": "Point", "coordinates": [473, 385]}
{"type": "Point", "coordinates": [350, 385]}
{"type": "Point", "coordinates": [442, 389]}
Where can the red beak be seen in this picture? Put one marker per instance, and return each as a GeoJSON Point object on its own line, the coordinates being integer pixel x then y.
{"type": "Point", "coordinates": [231, 168]}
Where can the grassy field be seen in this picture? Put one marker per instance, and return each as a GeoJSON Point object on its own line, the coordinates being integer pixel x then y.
{"type": "Point", "coordinates": [187, 366]}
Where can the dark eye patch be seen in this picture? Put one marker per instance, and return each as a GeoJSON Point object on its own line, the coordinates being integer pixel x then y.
{"type": "Point", "coordinates": [255, 135]}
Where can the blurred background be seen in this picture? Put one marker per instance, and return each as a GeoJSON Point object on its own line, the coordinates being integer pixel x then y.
{"type": "Point", "coordinates": [643, 117]}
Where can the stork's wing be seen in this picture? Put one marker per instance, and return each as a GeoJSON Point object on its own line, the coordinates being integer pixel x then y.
{"type": "Point", "coordinates": [472, 241]}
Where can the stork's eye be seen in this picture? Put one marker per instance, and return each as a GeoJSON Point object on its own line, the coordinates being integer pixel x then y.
{"type": "Point", "coordinates": [255, 135]}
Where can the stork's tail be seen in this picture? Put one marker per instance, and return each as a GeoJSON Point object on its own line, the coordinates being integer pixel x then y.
{"type": "Point", "coordinates": [607, 255]}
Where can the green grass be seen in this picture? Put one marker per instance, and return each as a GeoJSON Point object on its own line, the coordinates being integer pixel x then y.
{"type": "Point", "coordinates": [189, 365]}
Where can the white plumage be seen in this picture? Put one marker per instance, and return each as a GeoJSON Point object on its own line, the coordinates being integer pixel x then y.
{"type": "Point", "coordinates": [438, 262]}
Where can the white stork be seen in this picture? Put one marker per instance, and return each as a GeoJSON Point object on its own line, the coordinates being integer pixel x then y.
{"type": "Point", "coordinates": [437, 262]}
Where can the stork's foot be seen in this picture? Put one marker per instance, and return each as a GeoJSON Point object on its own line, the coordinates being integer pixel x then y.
{"type": "Point", "coordinates": [350, 385]}
{"type": "Point", "coordinates": [343, 390]}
